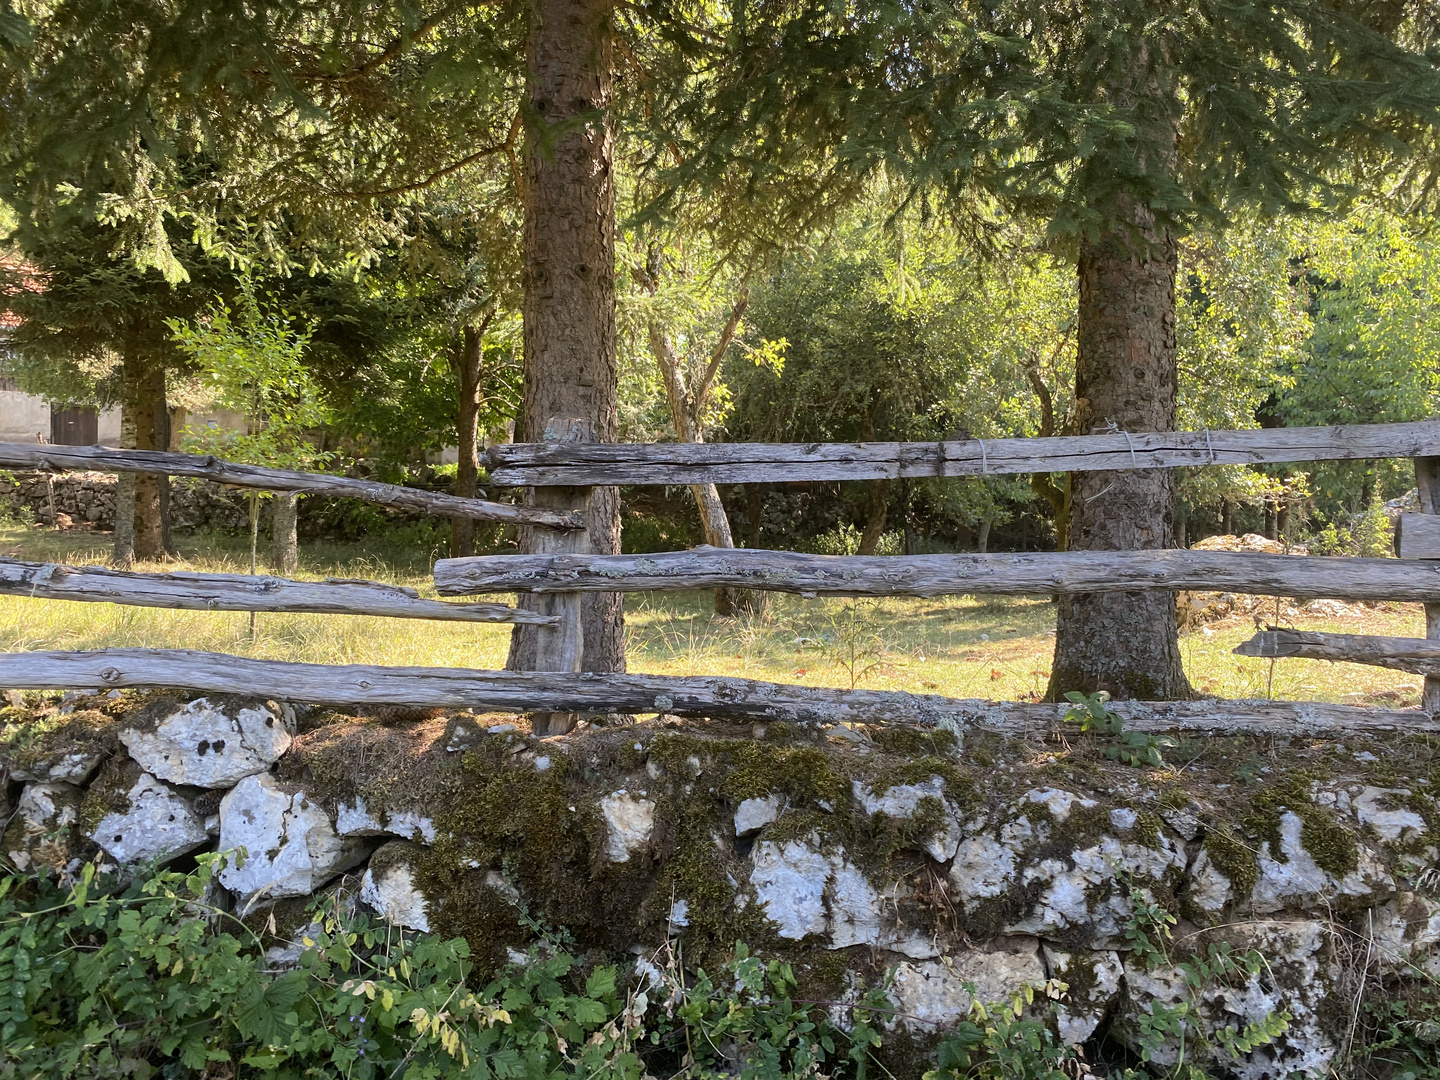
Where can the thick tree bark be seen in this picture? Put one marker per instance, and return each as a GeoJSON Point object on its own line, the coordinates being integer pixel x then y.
{"type": "Point", "coordinates": [284, 540]}
{"type": "Point", "coordinates": [467, 414]}
{"type": "Point", "coordinates": [569, 280]}
{"type": "Point", "coordinates": [139, 528]}
{"type": "Point", "coordinates": [1126, 375]}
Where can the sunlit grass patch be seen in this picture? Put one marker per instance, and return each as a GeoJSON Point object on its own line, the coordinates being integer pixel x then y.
{"type": "Point", "coordinates": [962, 646]}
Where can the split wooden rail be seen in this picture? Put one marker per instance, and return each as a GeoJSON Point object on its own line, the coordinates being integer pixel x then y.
{"type": "Point", "coordinates": [563, 570]}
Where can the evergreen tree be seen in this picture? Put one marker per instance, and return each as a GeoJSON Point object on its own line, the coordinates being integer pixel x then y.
{"type": "Point", "coordinates": [1120, 125]}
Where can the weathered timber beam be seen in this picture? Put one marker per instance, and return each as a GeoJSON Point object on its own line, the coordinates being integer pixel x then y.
{"type": "Point", "coordinates": [1419, 536]}
{"type": "Point", "coordinates": [547, 464]}
{"type": "Point", "coordinates": [1416, 655]}
{"type": "Point", "coordinates": [746, 699]}
{"type": "Point", "coordinates": [242, 592]}
{"type": "Point", "coordinates": [1025, 574]}
{"type": "Point", "coordinates": [48, 458]}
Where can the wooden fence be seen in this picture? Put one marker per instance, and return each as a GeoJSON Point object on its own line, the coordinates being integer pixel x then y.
{"type": "Point", "coordinates": [563, 571]}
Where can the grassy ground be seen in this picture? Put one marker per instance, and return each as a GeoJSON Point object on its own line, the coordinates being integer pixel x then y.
{"type": "Point", "coordinates": [958, 646]}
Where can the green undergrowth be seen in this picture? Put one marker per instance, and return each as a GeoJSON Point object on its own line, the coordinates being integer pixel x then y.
{"type": "Point", "coordinates": [149, 980]}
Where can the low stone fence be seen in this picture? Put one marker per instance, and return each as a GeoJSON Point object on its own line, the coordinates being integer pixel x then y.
{"type": "Point", "coordinates": [88, 498]}
{"type": "Point", "coordinates": [858, 854]}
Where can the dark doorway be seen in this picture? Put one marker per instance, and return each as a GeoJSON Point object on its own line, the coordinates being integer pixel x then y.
{"type": "Point", "coordinates": [74, 427]}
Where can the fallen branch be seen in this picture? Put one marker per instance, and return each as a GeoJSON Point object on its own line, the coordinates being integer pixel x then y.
{"type": "Point", "coordinates": [746, 699]}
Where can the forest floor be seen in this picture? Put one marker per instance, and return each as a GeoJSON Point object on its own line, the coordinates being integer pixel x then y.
{"type": "Point", "coordinates": [968, 647]}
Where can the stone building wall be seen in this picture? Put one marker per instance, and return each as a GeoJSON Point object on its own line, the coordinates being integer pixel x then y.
{"type": "Point", "coordinates": [951, 867]}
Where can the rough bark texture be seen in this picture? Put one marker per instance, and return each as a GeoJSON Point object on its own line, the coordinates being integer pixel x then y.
{"type": "Point", "coordinates": [257, 477]}
{"type": "Point", "coordinates": [572, 464]}
{"type": "Point", "coordinates": [467, 413]}
{"type": "Point", "coordinates": [1125, 374]}
{"type": "Point", "coordinates": [1040, 573]}
{"type": "Point", "coordinates": [240, 592]}
{"type": "Point", "coordinates": [145, 394]}
{"type": "Point", "coordinates": [284, 543]}
{"type": "Point", "coordinates": [569, 278]}
{"type": "Point", "coordinates": [351, 684]}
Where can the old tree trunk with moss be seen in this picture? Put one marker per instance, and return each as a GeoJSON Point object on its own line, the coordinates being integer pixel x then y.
{"type": "Point", "coordinates": [569, 294]}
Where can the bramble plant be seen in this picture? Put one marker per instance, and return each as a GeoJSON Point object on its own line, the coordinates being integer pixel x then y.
{"type": "Point", "coordinates": [1094, 715]}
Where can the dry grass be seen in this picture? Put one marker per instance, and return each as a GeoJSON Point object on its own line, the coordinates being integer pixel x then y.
{"type": "Point", "coordinates": [958, 646]}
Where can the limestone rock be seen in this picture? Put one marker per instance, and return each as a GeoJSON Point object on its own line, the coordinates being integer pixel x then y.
{"type": "Point", "coordinates": [752, 815]}
{"type": "Point", "coordinates": [629, 822]}
{"type": "Point", "coordinates": [1389, 823]}
{"type": "Point", "coordinates": [902, 801]}
{"type": "Point", "coordinates": [983, 868]}
{"type": "Point", "coordinates": [1058, 802]}
{"type": "Point", "coordinates": [1299, 879]}
{"type": "Point", "coordinates": [789, 880]}
{"type": "Point", "coordinates": [211, 744]}
{"type": "Point", "coordinates": [1094, 980]}
{"type": "Point", "coordinates": [1092, 893]}
{"type": "Point", "coordinates": [292, 848]}
{"type": "Point", "coordinates": [72, 765]}
{"type": "Point", "coordinates": [933, 994]}
{"type": "Point", "coordinates": [1208, 889]}
{"type": "Point", "coordinates": [158, 825]}
{"type": "Point", "coordinates": [388, 887]}
{"type": "Point", "coordinates": [355, 819]}
{"type": "Point", "coordinates": [1291, 981]}
{"type": "Point", "coordinates": [806, 891]}
{"type": "Point", "coordinates": [1406, 930]}
{"type": "Point", "coordinates": [42, 834]}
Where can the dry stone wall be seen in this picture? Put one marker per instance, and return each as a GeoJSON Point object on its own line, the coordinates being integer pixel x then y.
{"type": "Point", "coordinates": [88, 498]}
{"type": "Point", "coordinates": [955, 868]}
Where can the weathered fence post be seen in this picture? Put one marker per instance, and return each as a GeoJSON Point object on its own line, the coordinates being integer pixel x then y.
{"type": "Point", "coordinates": [561, 647]}
{"type": "Point", "coordinates": [1427, 487]}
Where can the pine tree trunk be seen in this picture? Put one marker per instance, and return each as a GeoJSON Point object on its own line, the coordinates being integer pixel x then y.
{"type": "Point", "coordinates": [1125, 373]}
{"type": "Point", "coordinates": [467, 414]}
{"type": "Point", "coordinates": [569, 281]}
{"type": "Point", "coordinates": [164, 440]}
{"type": "Point", "coordinates": [284, 534]}
{"type": "Point", "coordinates": [139, 532]}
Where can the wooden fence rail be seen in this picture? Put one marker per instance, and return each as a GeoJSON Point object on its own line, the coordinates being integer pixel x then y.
{"type": "Point", "coordinates": [49, 458]}
{"type": "Point", "coordinates": [741, 699]}
{"type": "Point", "coordinates": [1022, 574]}
{"type": "Point", "coordinates": [1419, 656]}
{"type": "Point", "coordinates": [242, 592]}
{"type": "Point", "coordinates": [580, 464]}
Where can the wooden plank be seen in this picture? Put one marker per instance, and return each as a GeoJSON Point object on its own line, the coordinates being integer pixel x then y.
{"type": "Point", "coordinates": [743, 699]}
{"type": "Point", "coordinates": [539, 464]}
{"type": "Point", "coordinates": [1419, 536]}
{"type": "Point", "coordinates": [188, 591]}
{"type": "Point", "coordinates": [1022, 574]}
{"type": "Point", "coordinates": [48, 458]}
{"type": "Point", "coordinates": [1420, 656]}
